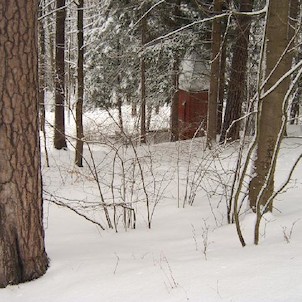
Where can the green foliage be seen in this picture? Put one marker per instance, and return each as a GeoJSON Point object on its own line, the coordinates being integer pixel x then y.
{"type": "Point", "coordinates": [114, 49]}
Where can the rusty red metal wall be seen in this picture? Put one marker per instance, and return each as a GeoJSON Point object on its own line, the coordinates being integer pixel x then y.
{"type": "Point", "coordinates": [192, 113]}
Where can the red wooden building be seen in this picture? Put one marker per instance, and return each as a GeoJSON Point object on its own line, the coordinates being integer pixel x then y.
{"type": "Point", "coordinates": [193, 96]}
{"type": "Point", "coordinates": [192, 113]}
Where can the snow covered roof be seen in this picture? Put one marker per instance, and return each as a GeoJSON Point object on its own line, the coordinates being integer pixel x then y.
{"type": "Point", "coordinates": [194, 73]}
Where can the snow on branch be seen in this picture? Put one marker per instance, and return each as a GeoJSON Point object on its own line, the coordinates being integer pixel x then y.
{"type": "Point", "coordinates": [226, 14]}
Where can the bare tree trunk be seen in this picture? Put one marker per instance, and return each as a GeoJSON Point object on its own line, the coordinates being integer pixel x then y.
{"type": "Point", "coordinates": [42, 69]}
{"type": "Point", "coordinates": [236, 92]}
{"type": "Point", "coordinates": [293, 22]}
{"type": "Point", "coordinates": [214, 80]}
{"type": "Point", "coordinates": [174, 119]}
{"type": "Point", "coordinates": [143, 82]}
{"type": "Point", "coordinates": [22, 251]}
{"type": "Point", "coordinates": [120, 113]}
{"type": "Point", "coordinates": [143, 101]}
{"type": "Point", "coordinates": [175, 102]}
{"type": "Point", "coordinates": [68, 76]}
{"type": "Point", "coordinates": [50, 33]}
{"type": "Point", "coordinates": [42, 79]}
{"type": "Point", "coordinates": [221, 87]}
{"type": "Point", "coordinates": [59, 135]}
{"type": "Point", "coordinates": [271, 106]}
{"type": "Point", "coordinates": [79, 104]}
{"type": "Point", "coordinates": [119, 94]}
{"type": "Point", "coordinates": [149, 116]}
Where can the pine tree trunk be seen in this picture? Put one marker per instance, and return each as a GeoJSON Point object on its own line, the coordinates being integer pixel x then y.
{"type": "Point", "coordinates": [42, 78]}
{"type": "Point", "coordinates": [22, 252]}
{"type": "Point", "coordinates": [221, 87]}
{"type": "Point", "coordinates": [143, 82]}
{"type": "Point", "coordinates": [79, 104]}
{"type": "Point", "coordinates": [175, 103]}
{"type": "Point", "coordinates": [119, 94]}
{"type": "Point", "coordinates": [143, 101]}
{"type": "Point", "coordinates": [214, 79]}
{"type": "Point", "coordinates": [149, 116]}
{"type": "Point", "coordinates": [174, 118]}
{"type": "Point", "coordinates": [50, 34]}
{"type": "Point", "coordinates": [236, 92]}
{"type": "Point", "coordinates": [59, 135]}
{"type": "Point", "coordinates": [120, 113]}
{"type": "Point", "coordinates": [271, 107]}
{"type": "Point", "coordinates": [42, 70]}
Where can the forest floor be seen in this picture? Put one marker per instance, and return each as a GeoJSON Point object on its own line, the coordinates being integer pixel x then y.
{"type": "Point", "coordinates": [190, 253]}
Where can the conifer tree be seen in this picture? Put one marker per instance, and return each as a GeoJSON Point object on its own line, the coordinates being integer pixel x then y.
{"type": "Point", "coordinates": [22, 249]}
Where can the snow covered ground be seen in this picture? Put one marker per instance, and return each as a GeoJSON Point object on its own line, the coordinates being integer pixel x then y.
{"type": "Point", "coordinates": [189, 254]}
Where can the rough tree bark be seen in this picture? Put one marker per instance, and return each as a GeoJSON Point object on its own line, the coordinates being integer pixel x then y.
{"type": "Point", "coordinates": [270, 113]}
{"type": "Point", "coordinates": [79, 104]}
{"type": "Point", "coordinates": [59, 135]}
{"type": "Point", "coordinates": [22, 252]}
{"type": "Point", "coordinates": [236, 91]}
{"type": "Point", "coordinates": [42, 69]}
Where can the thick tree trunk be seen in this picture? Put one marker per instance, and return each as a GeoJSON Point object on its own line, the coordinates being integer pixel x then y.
{"type": "Point", "coordinates": [214, 80]}
{"type": "Point", "coordinates": [236, 92]}
{"type": "Point", "coordinates": [79, 104]}
{"type": "Point", "coordinates": [59, 135]}
{"type": "Point", "coordinates": [22, 252]}
{"type": "Point", "coordinates": [271, 107]}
